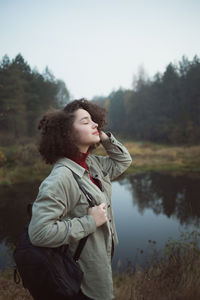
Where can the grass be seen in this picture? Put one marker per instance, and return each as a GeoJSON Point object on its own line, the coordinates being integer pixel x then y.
{"type": "Point", "coordinates": [174, 275]}
{"type": "Point", "coordinates": [11, 291]}
{"type": "Point", "coordinates": [155, 157]}
{"type": "Point", "coordinates": [166, 281]}
{"type": "Point", "coordinates": [18, 174]}
{"type": "Point", "coordinates": [21, 163]}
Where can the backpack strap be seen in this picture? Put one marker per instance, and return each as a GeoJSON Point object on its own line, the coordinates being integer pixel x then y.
{"type": "Point", "coordinates": [91, 202]}
{"type": "Point", "coordinates": [89, 197]}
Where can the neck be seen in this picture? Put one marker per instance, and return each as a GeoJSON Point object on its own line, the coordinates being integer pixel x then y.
{"type": "Point", "coordinates": [83, 149]}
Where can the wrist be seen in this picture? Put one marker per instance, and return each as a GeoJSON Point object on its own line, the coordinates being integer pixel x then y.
{"type": "Point", "coordinates": [103, 136]}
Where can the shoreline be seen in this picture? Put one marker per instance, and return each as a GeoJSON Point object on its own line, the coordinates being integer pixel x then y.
{"type": "Point", "coordinates": [21, 161]}
{"type": "Point", "coordinates": [175, 275]}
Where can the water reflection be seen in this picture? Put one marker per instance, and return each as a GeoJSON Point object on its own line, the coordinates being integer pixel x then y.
{"type": "Point", "coordinates": [152, 206]}
{"type": "Point", "coordinates": [149, 206]}
{"type": "Point", "coordinates": [173, 196]}
{"type": "Point", "coordinates": [13, 216]}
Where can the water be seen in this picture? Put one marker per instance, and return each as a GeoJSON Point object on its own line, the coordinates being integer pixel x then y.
{"type": "Point", "coordinates": [148, 209]}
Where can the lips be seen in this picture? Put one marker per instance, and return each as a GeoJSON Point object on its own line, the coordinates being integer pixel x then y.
{"type": "Point", "coordinates": [96, 133]}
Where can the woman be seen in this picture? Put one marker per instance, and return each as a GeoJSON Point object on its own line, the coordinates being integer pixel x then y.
{"type": "Point", "coordinates": [61, 214]}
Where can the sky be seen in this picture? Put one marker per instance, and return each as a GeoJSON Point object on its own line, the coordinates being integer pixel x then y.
{"type": "Point", "coordinates": [97, 46]}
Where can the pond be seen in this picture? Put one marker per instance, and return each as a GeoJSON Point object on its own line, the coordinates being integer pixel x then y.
{"type": "Point", "coordinates": [148, 209]}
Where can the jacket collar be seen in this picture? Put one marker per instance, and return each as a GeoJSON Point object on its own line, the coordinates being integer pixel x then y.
{"type": "Point", "coordinates": [73, 166]}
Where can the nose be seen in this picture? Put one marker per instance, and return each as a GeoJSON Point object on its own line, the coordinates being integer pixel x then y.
{"type": "Point", "coordinates": [94, 125]}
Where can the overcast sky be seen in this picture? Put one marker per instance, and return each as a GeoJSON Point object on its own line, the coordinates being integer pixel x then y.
{"type": "Point", "coordinates": [97, 46]}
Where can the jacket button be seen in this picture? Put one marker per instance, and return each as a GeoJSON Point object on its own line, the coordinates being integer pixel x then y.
{"type": "Point", "coordinates": [110, 220]}
{"type": "Point", "coordinates": [108, 205]}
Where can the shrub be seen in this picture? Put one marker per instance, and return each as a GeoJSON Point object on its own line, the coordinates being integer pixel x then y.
{"type": "Point", "coordinates": [3, 158]}
{"type": "Point", "coordinates": [10, 154]}
{"type": "Point", "coordinates": [27, 155]}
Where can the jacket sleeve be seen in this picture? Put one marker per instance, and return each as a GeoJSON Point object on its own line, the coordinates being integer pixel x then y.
{"type": "Point", "coordinates": [48, 226]}
{"type": "Point", "coordinates": [118, 159]}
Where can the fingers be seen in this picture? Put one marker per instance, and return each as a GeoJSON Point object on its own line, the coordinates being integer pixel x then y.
{"type": "Point", "coordinates": [99, 214]}
{"type": "Point", "coordinates": [103, 205]}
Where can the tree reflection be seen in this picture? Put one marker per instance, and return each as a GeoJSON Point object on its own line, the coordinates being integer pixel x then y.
{"type": "Point", "coordinates": [176, 196]}
{"type": "Point", "coordinates": [13, 213]}
{"type": "Point", "coordinates": [164, 194]}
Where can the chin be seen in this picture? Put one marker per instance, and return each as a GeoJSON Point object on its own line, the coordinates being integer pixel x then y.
{"type": "Point", "coordinates": [98, 139]}
{"type": "Point", "coordinates": [95, 141]}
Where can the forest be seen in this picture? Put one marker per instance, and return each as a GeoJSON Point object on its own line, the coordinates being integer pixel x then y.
{"type": "Point", "coordinates": [163, 109]}
{"type": "Point", "coordinates": [25, 95]}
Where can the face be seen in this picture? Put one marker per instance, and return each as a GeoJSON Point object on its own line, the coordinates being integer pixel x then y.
{"type": "Point", "coordinates": [85, 129]}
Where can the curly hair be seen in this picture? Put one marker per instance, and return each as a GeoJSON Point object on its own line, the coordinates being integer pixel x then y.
{"type": "Point", "coordinates": [57, 134]}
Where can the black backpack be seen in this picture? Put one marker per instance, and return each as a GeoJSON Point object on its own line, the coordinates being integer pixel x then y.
{"type": "Point", "coordinates": [48, 273]}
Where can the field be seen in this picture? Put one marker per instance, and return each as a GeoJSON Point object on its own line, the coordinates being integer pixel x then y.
{"type": "Point", "coordinates": [17, 163]}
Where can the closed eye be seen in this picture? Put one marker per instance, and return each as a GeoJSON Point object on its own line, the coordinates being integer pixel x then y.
{"type": "Point", "coordinates": [85, 120]}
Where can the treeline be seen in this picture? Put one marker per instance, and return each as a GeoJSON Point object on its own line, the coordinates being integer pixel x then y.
{"type": "Point", "coordinates": [24, 95]}
{"type": "Point", "coordinates": [165, 109]}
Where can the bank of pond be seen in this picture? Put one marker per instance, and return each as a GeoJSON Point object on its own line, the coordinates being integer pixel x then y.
{"type": "Point", "coordinates": [22, 163]}
{"type": "Point", "coordinates": [173, 276]}
{"type": "Point", "coordinates": [157, 216]}
{"type": "Point", "coordinates": [149, 209]}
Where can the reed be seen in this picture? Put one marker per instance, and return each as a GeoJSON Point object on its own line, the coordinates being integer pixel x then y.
{"type": "Point", "coordinates": [173, 275]}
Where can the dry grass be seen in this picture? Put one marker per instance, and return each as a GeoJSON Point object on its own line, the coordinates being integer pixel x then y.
{"type": "Point", "coordinates": [174, 279]}
{"type": "Point", "coordinates": [18, 174]}
{"type": "Point", "coordinates": [148, 156]}
{"type": "Point", "coordinates": [23, 161]}
{"type": "Point", "coordinates": [177, 278]}
{"type": "Point", "coordinates": [173, 275]}
{"type": "Point", "coordinates": [11, 291]}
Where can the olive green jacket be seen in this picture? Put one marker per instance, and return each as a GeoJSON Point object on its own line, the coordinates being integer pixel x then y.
{"type": "Point", "coordinates": [60, 214]}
